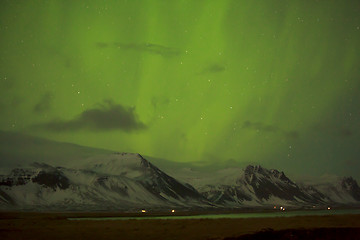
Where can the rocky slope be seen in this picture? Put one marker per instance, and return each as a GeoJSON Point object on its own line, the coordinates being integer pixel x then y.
{"type": "Point", "coordinates": [117, 181]}
{"type": "Point", "coordinates": [74, 177]}
{"type": "Point", "coordinates": [258, 186]}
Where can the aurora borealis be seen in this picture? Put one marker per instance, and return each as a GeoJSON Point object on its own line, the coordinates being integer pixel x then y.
{"type": "Point", "coordinates": [270, 82]}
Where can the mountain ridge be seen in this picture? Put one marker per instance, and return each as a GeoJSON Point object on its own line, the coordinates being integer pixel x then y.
{"type": "Point", "coordinates": [42, 186]}
{"type": "Point", "coordinates": [93, 179]}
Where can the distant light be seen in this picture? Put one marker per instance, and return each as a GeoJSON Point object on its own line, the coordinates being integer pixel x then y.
{"type": "Point", "coordinates": [173, 211]}
{"type": "Point", "coordinates": [143, 211]}
{"type": "Point", "coordinates": [329, 208]}
{"type": "Point", "coordinates": [281, 208]}
{"type": "Point", "coordinates": [274, 207]}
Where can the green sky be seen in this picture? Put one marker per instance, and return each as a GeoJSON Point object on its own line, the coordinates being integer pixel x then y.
{"type": "Point", "coordinates": [269, 82]}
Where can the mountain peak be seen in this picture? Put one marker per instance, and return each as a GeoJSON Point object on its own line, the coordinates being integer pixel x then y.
{"type": "Point", "coordinates": [350, 184]}
{"type": "Point", "coordinates": [258, 169]}
{"type": "Point", "coordinates": [130, 159]}
{"type": "Point", "coordinates": [118, 163]}
{"type": "Point", "coordinates": [351, 187]}
{"type": "Point", "coordinates": [280, 175]}
{"type": "Point", "coordinates": [349, 181]}
{"type": "Point", "coordinates": [251, 169]}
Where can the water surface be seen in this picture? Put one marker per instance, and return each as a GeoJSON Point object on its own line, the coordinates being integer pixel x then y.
{"type": "Point", "coordinates": [235, 215]}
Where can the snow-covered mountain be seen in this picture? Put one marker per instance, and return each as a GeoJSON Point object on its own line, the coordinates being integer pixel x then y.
{"type": "Point", "coordinates": [258, 186]}
{"type": "Point", "coordinates": [116, 181]}
{"type": "Point", "coordinates": [73, 177]}
{"type": "Point", "coordinates": [344, 190]}
{"type": "Point", "coordinates": [127, 181]}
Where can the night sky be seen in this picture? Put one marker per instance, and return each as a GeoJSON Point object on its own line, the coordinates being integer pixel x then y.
{"type": "Point", "coordinates": [225, 82]}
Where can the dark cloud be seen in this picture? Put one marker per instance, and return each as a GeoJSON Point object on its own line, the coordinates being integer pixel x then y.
{"type": "Point", "coordinates": [16, 101]}
{"type": "Point", "coordinates": [183, 137]}
{"type": "Point", "coordinates": [108, 116]}
{"type": "Point", "coordinates": [57, 53]}
{"type": "Point", "coordinates": [102, 45]}
{"type": "Point", "coordinates": [44, 104]}
{"type": "Point", "coordinates": [344, 132]}
{"type": "Point", "coordinates": [150, 48]}
{"type": "Point", "coordinates": [331, 130]}
{"type": "Point", "coordinates": [214, 68]}
{"type": "Point", "coordinates": [8, 101]}
{"type": "Point", "coordinates": [159, 101]}
{"type": "Point", "coordinates": [7, 83]}
{"type": "Point", "coordinates": [143, 47]}
{"type": "Point", "coordinates": [259, 126]}
{"type": "Point", "coordinates": [291, 134]}
{"type": "Point", "coordinates": [351, 163]}
{"type": "Point", "coordinates": [11, 104]}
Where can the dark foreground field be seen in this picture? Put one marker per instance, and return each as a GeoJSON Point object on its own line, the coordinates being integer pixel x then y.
{"type": "Point", "coordinates": [56, 226]}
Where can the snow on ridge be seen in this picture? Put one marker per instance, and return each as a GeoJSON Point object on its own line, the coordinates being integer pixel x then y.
{"type": "Point", "coordinates": [125, 164]}
{"type": "Point", "coordinates": [121, 180]}
{"type": "Point", "coordinates": [117, 180]}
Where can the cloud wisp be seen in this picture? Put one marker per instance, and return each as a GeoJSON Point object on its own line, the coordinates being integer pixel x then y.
{"type": "Point", "coordinates": [108, 116]}
{"type": "Point", "coordinates": [332, 130]}
{"type": "Point", "coordinates": [259, 126]}
{"type": "Point", "coordinates": [214, 68]}
{"type": "Point", "coordinates": [44, 104]}
{"type": "Point", "coordinates": [151, 48]}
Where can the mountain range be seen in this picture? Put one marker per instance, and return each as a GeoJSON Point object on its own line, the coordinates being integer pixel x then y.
{"type": "Point", "coordinates": [104, 180]}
